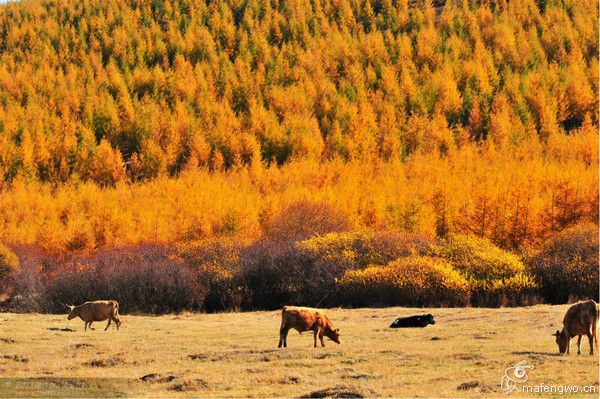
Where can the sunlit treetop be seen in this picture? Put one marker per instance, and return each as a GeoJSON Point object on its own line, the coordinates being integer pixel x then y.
{"type": "Point", "coordinates": [128, 90]}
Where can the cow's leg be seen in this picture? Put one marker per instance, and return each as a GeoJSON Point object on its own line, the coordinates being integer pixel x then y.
{"type": "Point", "coordinates": [280, 337]}
{"type": "Point", "coordinates": [283, 332]}
{"type": "Point", "coordinates": [86, 324]}
{"type": "Point", "coordinates": [90, 325]}
{"type": "Point", "coordinates": [117, 321]}
{"type": "Point", "coordinates": [568, 343]}
{"type": "Point", "coordinates": [592, 335]}
{"type": "Point", "coordinates": [107, 324]}
{"type": "Point", "coordinates": [321, 338]}
{"type": "Point", "coordinates": [316, 333]}
{"type": "Point", "coordinates": [579, 344]}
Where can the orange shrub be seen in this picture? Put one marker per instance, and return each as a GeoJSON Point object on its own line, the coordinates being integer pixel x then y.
{"type": "Point", "coordinates": [9, 263]}
{"type": "Point", "coordinates": [303, 219]}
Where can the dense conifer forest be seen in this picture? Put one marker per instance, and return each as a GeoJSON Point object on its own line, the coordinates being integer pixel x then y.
{"type": "Point", "coordinates": [131, 90]}
{"type": "Point", "coordinates": [375, 148]}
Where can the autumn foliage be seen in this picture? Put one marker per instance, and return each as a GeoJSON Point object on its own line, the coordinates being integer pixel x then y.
{"type": "Point", "coordinates": [347, 269]}
{"type": "Point", "coordinates": [133, 90]}
{"type": "Point", "coordinates": [9, 264]}
{"type": "Point", "coordinates": [414, 281]}
{"type": "Point", "coordinates": [347, 144]}
{"type": "Point", "coordinates": [512, 198]}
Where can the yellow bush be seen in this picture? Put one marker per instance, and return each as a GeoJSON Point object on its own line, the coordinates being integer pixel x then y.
{"type": "Point", "coordinates": [497, 277]}
{"type": "Point", "coordinates": [352, 250]}
{"type": "Point", "coordinates": [478, 258]}
{"type": "Point", "coordinates": [414, 280]}
{"type": "Point", "coordinates": [517, 290]}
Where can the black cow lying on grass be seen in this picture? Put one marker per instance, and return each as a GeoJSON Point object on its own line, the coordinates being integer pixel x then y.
{"type": "Point", "coordinates": [413, 321]}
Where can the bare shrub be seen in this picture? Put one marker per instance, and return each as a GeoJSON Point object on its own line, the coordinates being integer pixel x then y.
{"type": "Point", "coordinates": [567, 264]}
{"type": "Point", "coordinates": [23, 289]}
{"type": "Point", "coordinates": [338, 268]}
{"type": "Point", "coordinates": [141, 278]}
{"type": "Point", "coordinates": [276, 273]}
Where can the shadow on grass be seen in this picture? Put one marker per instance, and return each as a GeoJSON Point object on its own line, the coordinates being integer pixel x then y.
{"type": "Point", "coordinates": [535, 353]}
{"type": "Point", "coordinates": [342, 391]}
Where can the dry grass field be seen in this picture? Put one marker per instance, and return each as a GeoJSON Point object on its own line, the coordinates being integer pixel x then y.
{"type": "Point", "coordinates": [235, 355]}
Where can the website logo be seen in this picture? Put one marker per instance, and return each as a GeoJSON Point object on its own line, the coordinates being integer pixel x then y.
{"type": "Point", "coordinates": [514, 376]}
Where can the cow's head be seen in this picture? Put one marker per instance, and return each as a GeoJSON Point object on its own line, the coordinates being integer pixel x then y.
{"type": "Point", "coordinates": [72, 312]}
{"type": "Point", "coordinates": [561, 340]}
{"type": "Point", "coordinates": [333, 334]}
{"type": "Point", "coordinates": [429, 319]}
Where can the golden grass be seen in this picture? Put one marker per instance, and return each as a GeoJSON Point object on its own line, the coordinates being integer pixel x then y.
{"type": "Point", "coordinates": [236, 355]}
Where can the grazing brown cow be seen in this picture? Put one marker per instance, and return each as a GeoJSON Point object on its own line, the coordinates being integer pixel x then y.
{"type": "Point", "coordinates": [307, 319]}
{"type": "Point", "coordinates": [93, 311]}
{"type": "Point", "coordinates": [580, 319]}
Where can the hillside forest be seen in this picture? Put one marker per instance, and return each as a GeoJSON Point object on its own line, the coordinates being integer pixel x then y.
{"type": "Point", "coordinates": [244, 154]}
